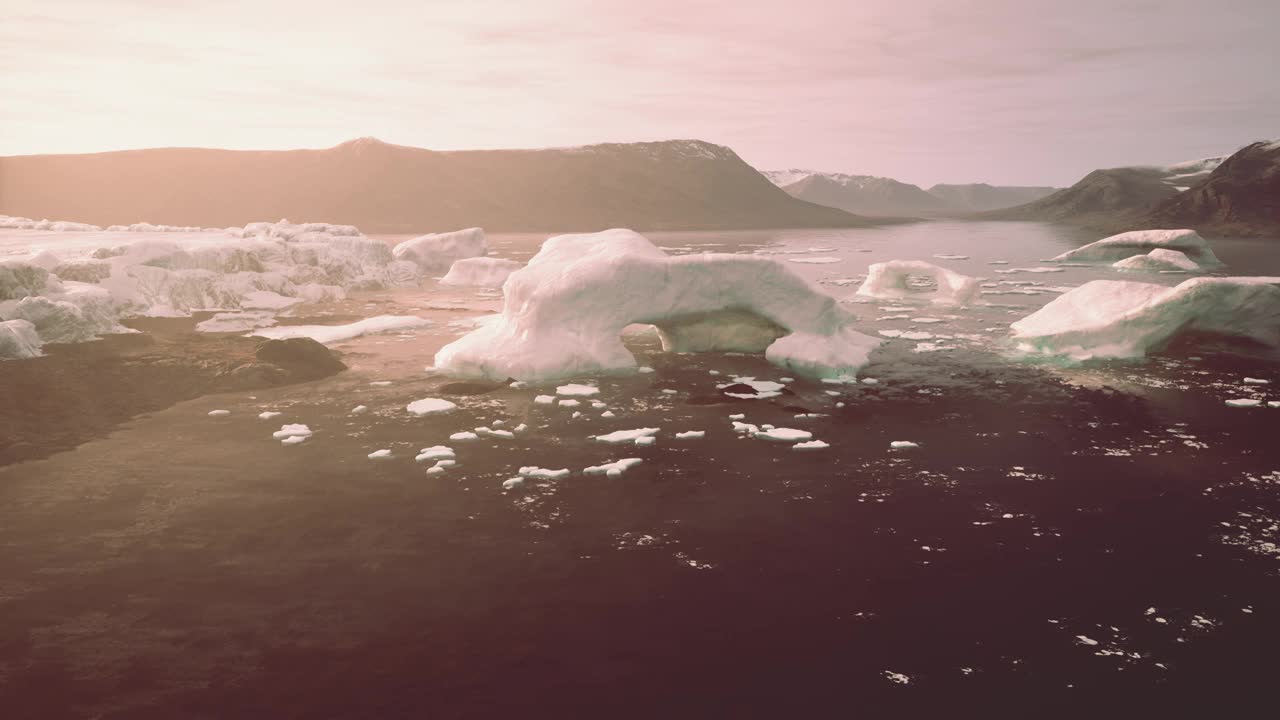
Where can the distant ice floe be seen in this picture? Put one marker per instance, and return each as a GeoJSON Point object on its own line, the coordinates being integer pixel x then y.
{"type": "Point", "coordinates": [1159, 260]}
{"type": "Point", "coordinates": [1124, 319]}
{"type": "Point", "coordinates": [613, 469]}
{"type": "Point", "coordinates": [565, 311]}
{"type": "Point", "coordinates": [892, 280]}
{"type": "Point", "coordinates": [78, 287]}
{"type": "Point", "coordinates": [328, 334]}
{"type": "Point", "coordinates": [480, 272]}
{"type": "Point", "coordinates": [436, 253]}
{"type": "Point", "coordinates": [430, 406]}
{"type": "Point", "coordinates": [1139, 242]}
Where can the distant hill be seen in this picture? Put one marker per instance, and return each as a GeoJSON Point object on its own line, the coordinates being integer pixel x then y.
{"type": "Point", "coordinates": [1112, 197]}
{"type": "Point", "coordinates": [977, 197]}
{"type": "Point", "coordinates": [1240, 197]}
{"type": "Point", "coordinates": [677, 184]}
{"type": "Point", "coordinates": [872, 195]}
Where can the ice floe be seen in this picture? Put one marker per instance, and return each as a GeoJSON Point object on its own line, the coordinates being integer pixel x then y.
{"type": "Point", "coordinates": [893, 280]}
{"type": "Point", "coordinates": [565, 311]}
{"type": "Point", "coordinates": [1158, 260]}
{"type": "Point", "coordinates": [438, 252]}
{"type": "Point", "coordinates": [613, 469]}
{"type": "Point", "coordinates": [480, 272]}
{"type": "Point", "coordinates": [784, 435]}
{"type": "Point", "coordinates": [328, 334]}
{"type": "Point", "coordinates": [292, 434]}
{"type": "Point", "coordinates": [1124, 319]}
{"type": "Point", "coordinates": [622, 436]}
{"type": "Point", "coordinates": [431, 406]}
{"type": "Point", "coordinates": [1140, 242]}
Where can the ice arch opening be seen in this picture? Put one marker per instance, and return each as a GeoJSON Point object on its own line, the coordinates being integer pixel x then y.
{"type": "Point", "coordinates": [898, 280]}
{"type": "Point", "coordinates": [565, 312]}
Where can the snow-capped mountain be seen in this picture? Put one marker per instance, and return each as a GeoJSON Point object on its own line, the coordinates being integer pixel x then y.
{"type": "Point", "coordinates": [872, 195]}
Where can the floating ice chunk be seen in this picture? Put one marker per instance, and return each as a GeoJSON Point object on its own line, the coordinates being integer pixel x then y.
{"type": "Point", "coordinates": [745, 428]}
{"type": "Point", "coordinates": [574, 390]}
{"type": "Point", "coordinates": [890, 333]}
{"type": "Point", "coordinates": [1086, 640]}
{"type": "Point", "coordinates": [1158, 260]}
{"type": "Point", "coordinates": [293, 439]}
{"type": "Point", "coordinates": [621, 436]}
{"type": "Point", "coordinates": [480, 272]}
{"type": "Point", "coordinates": [520, 428]}
{"type": "Point", "coordinates": [927, 320]}
{"type": "Point", "coordinates": [219, 413]}
{"type": "Point", "coordinates": [598, 405]}
{"type": "Point", "coordinates": [295, 430]}
{"type": "Point", "coordinates": [1273, 403]}
{"type": "Point", "coordinates": [644, 369]}
{"type": "Point", "coordinates": [533, 471]}
{"type": "Point", "coordinates": [891, 280]}
{"type": "Point", "coordinates": [1123, 319]}
{"type": "Point", "coordinates": [784, 435]}
{"type": "Point", "coordinates": [613, 469]}
{"type": "Point", "coordinates": [1244, 402]}
{"type": "Point", "coordinates": [810, 445]}
{"type": "Point", "coordinates": [1037, 269]}
{"type": "Point", "coordinates": [268, 414]}
{"type": "Point", "coordinates": [545, 400]}
{"type": "Point", "coordinates": [464, 436]}
{"type": "Point", "coordinates": [435, 452]}
{"type": "Point", "coordinates": [435, 470]}
{"type": "Point", "coordinates": [431, 406]}
{"type": "Point", "coordinates": [19, 339]}
{"type": "Point", "coordinates": [738, 416]}
{"type": "Point", "coordinates": [998, 262]}
{"type": "Point", "coordinates": [691, 435]}
{"type": "Point", "coordinates": [903, 445]}
{"type": "Point", "coordinates": [565, 311]}
{"type": "Point", "coordinates": [513, 483]}
{"type": "Point", "coordinates": [647, 440]}
{"type": "Point", "coordinates": [383, 454]}
{"type": "Point", "coordinates": [569, 403]}
{"type": "Point", "coordinates": [490, 432]}
{"type": "Point", "coordinates": [870, 381]}
{"type": "Point", "coordinates": [359, 410]}
{"type": "Point", "coordinates": [328, 334]}
{"type": "Point", "coordinates": [439, 251]}
{"type": "Point", "coordinates": [897, 677]}
{"type": "Point", "coordinates": [1138, 242]}
{"type": "Point", "coordinates": [608, 414]}
{"type": "Point", "coordinates": [1256, 381]}
{"type": "Point", "coordinates": [949, 256]}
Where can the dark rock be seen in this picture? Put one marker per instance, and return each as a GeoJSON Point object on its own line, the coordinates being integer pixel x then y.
{"type": "Point", "coordinates": [302, 358]}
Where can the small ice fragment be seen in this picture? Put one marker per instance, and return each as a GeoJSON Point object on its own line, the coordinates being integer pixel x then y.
{"type": "Point", "coordinates": [435, 452]}
{"type": "Point", "coordinates": [268, 414]}
{"type": "Point", "coordinates": [644, 369]}
{"type": "Point", "coordinates": [903, 445]}
{"type": "Point", "coordinates": [288, 431]}
{"type": "Point", "coordinates": [647, 440]}
{"type": "Point", "coordinates": [870, 381]}
{"type": "Point", "coordinates": [574, 390]}
{"type": "Point", "coordinates": [691, 435]}
{"type": "Point", "coordinates": [545, 399]}
{"type": "Point", "coordinates": [784, 435]}
{"type": "Point", "coordinates": [621, 436]}
{"type": "Point", "coordinates": [359, 410]}
{"type": "Point", "coordinates": [520, 428]}
{"type": "Point", "coordinates": [613, 469]}
{"type": "Point", "coordinates": [534, 471]}
{"type": "Point", "coordinates": [1086, 640]}
{"type": "Point", "coordinates": [569, 403]}
{"type": "Point", "coordinates": [430, 406]}
{"type": "Point", "coordinates": [668, 391]}
{"type": "Point", "coordinates": [380, 383]}
{"type": "Point", "coordinates": [513, 483]}
{"type": "Point", "coordinates": [607, 414]}
{"type": "Point", "coordinates": [464, 436]}
{"type": "Point", "coordinates": [435, 470]}
{"type": "Point", "coordinates": [380, 454]}
{"type": "Point", "coordinates": [810, 445]}
{"type": "Point", "coordinates": [739, 416]}
{"type": "Point", "coordinates": [1256, 381]}
{"type": "Point", "coordinates": [219, 413]}
{"type": "Point", "coordinates": [293, 439]}
{"type": "Point", "coordinates": [1244, 402]}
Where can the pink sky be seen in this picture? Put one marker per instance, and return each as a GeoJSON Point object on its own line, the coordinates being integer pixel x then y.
{"type": "Point", "coordinates": [1029, 92]}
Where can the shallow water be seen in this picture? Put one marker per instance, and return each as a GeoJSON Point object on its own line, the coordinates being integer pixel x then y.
{"type": "Point", "coordinates": [1102, 534]}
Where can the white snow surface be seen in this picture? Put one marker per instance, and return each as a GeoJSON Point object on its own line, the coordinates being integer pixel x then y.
{"type": "Point", "coordinates": [480, 272]}
{"type": "Point", "coordinates": [890, 280]}
{"type": "Point", "coordinates": [437, 252]}
{"type": "Point", "coordinates": [328, 334]}
{"type": "Point", "coordinates": [565, 311]}
{"type": "Point", "coordinates": [1125, 319]}
{"type": "Point", "coordinates": [1139, 242]}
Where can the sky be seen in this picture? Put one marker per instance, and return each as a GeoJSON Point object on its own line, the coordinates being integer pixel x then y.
{"type": "Point", "coordinates": [1004, 91]}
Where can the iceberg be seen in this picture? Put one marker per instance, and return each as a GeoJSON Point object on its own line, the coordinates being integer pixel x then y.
{"type": "Point", "coordinates": [328, 334]}
{"type": "Point", "coordinates": [1126, 319]}
{"type": "Point", "coordinates": [438, 252]}
{"type": "Point", "coordinates": [891, 280]}
{"type": "Point", "coordinates": [480, 272]}
{"type": "Point", "coordinates": [1140, 242]}
{"type": "Point", "coordinates": [564, 312]}
{"type": "Point", "coordinates": [1159, 260]}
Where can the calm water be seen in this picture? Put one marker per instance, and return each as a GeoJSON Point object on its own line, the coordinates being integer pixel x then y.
{"type": "Point", "coordinates": [1098, 537]}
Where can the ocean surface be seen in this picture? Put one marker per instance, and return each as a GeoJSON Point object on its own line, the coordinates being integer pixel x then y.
{"type": "Point", "coordinates": [1097, 538]}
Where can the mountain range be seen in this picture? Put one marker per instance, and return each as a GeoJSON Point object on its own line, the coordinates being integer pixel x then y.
{"type": "Point", "coordinates": [380, 187]}
{"type": "Point", "coordinates": [871, 195]}
{"type": "Point", "coordinates": [1238, 195]}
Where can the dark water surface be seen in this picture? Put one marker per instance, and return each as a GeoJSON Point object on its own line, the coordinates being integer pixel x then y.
{"type": "Point", "coordinates": [1094, 540]}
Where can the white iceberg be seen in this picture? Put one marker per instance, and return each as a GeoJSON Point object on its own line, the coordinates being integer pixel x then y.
{"type": "Point", "coordinates": [437, 252]}
{"type": "Point", "coordinates": [893, 280]}
{"type": "Point", "coordinates": [1139, 242]}
{"type": "Point", "coordinates": [1159, 260]}
{"type": "Point", "coordinates": [1125, 319]}
{"type": "Point", "coordinates": [480, 272]}
{"type": "Point", "coordinates": [564, 313]}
